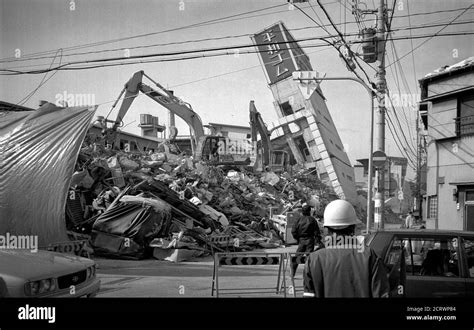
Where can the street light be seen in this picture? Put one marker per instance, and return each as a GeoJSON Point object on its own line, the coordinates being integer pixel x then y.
{"type": "Point", "coordinates": [315, 76]}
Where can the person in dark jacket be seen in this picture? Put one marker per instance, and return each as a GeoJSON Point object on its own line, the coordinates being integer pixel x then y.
{"type": "Point", "coordinates": [346, 268]}
{"type": "Point", "coordinates": [306, 232]}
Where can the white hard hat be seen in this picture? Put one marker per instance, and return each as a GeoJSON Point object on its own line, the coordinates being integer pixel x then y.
{"type": "Point", "coordinates": [340, 214]}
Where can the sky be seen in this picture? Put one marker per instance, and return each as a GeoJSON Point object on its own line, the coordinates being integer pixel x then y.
{"type": "Point", "coordinates": [218, 88]}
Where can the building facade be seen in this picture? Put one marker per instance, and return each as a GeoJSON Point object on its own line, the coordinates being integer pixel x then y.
{"type": "Point", "coordinates": [305, 121]}
{"type": "Point", "coordinates": [230, 131]}
{"type": "Point", "coordinates": [447, 112]}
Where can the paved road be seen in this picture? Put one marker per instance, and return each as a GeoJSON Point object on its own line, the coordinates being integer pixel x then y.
{"type": "Point", "coordinates": [155, 278]}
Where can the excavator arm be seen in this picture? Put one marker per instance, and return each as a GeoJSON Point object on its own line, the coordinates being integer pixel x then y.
{"type": "Point", "coordinates": [164, 98]}
{"type": "Point", "coordinates": [258, 126]}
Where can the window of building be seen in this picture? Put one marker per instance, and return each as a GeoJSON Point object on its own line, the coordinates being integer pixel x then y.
{"type": "Point", "coordinates": [469, 195]}
{"type": "Point", "coordinates": [432, 207]}
{"type": "Point", "coordinates": [301, 145]}
{"type": "Point", "coordinates": [466, 116]}
{"type": "Point", "coordinates": [286, 108]}
{"type": "Point", "coordinates": [122, 144]}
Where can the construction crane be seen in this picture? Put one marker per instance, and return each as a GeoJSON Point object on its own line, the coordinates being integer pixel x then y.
{"type": "Point", "coordinates": [212, 149]}
{"type": "Point", "coordinates": [267, 158]}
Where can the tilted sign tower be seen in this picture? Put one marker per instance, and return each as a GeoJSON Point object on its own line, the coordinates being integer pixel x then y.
{"type": "Point", "coordinates": [317, 143]}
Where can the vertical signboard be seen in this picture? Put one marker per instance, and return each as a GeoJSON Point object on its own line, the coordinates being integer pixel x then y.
{"type": "Point", "coordinates": [298, 54]}
{"type": "Point", "coordinates": [274, 53]}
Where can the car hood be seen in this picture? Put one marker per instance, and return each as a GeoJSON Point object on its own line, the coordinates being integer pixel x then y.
{"type": "Point", "coordinates": [41, 264]}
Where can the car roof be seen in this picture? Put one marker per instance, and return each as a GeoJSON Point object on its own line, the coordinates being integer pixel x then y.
{"type": "Point", "coordinates": [436, 232]}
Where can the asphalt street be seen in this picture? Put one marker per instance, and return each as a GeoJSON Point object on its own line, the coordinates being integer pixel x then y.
{"type": "Point", "coordinates": [157, 278]}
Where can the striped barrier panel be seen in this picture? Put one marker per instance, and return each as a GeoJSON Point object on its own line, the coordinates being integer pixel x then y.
{"type": "Point", "coordinates": [299, 258]}
{"type": "Point", "coordinates": [248, 259]}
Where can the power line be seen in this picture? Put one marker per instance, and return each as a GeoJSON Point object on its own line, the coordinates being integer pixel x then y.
{"type": "Point", "coordinates": [315, 13]}
{"type": "Point", "coordinates": [42, 82]}
{"type": "Point", "coordinates": [345, 43]}
{"type": "Point", "coordinates": [437, 33]}
{"type": "Point", "coordinates": [407, 86]}
{"type": "Point", "coordinates": [240, 70]}
{"type": "Point", "coordinates": [411, 42]}
{"type": "Point", "coordinates": [391, 16]}
{"type": "Point", "coordinates": [397, 140]}
{"type": "Point", "coordinates": [408, 144]}
{"type": "Point", "coordinates": [203, 50]}
{"type": "Point", "coordinates": [66, 66]}
{"type": "Point", "coordinates": [210, 77]}
{"type": "Point", "coordinates": [322, 26]}
{"type": "Point", "coordinates": [205, 23]}
{"type": "Point", "coordinates": [215, 38]}
{"type": "Point", "coordinates": [213, 21]}
{"type": "Point", "coordinates": [395, 74]}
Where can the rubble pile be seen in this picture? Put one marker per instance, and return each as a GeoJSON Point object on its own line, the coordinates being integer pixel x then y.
{"type": "Point", "coordinates": [138, 205]}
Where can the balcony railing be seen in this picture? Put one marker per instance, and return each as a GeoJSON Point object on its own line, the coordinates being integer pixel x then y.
{"type": "Point", "coordinates": [464, 125]}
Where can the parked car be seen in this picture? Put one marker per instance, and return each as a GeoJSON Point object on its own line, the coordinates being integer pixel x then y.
{"type": "Point", "coordinates": [435, 263]}
{"type": "Point", "coordinates": [45, 274]}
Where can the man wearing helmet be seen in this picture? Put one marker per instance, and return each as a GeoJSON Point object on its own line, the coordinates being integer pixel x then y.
{"type": "Point", "coordinates": [346, 267]}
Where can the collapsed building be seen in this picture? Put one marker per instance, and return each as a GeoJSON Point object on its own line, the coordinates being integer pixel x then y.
{"type": "Point", "coordinates": [315, 143]}
{"type": "Point", "coordinates": [84, 182]}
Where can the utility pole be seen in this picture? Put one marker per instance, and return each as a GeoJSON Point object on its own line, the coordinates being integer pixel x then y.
{"type": "Point", "coordinates": [418, 164]}
{"type": "Point", "coordinates": [381, 85]}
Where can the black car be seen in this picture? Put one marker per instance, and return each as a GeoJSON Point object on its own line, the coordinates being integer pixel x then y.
{"type": "Point", "coordinates": [435, 263]}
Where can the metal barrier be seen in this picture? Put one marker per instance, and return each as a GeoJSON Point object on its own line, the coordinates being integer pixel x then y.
{"type": "Point", "coordinates": [248, 259]}
{"type": "Point", "coordinates": [298, 258]}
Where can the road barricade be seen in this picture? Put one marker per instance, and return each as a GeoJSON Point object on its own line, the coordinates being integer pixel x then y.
{"type": "Point", "coordinates": [300, 259]}
{"type": "Point", "coordinates": [233, 259]}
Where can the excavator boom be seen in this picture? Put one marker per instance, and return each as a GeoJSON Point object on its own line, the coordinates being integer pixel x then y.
{"type": "Point", "coordinates": [164, 98]}
{"type": "Point", "coordinates": [257, 125]}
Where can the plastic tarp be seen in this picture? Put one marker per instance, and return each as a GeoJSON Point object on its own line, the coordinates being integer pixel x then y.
{"type": "Point", "coordinates": [38, 152]}
{"type": "Point", "coordinates": [137, 218]}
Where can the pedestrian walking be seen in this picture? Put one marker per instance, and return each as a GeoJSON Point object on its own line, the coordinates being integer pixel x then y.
{"type": "Point", "coordinates": [346, 267]}
{"type": "Point", "coordinates": [409, 220]}
{"type": "Point", "coordinates": [307, 234]}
